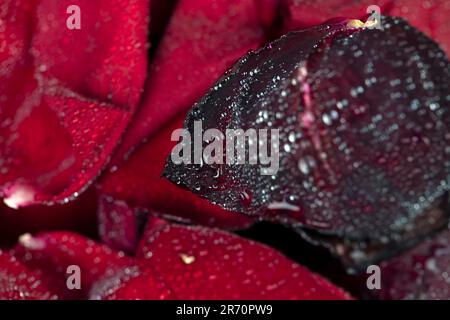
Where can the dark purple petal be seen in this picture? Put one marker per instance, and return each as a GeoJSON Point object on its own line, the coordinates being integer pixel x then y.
{"type": "Point", "coordinates": [364, 141]}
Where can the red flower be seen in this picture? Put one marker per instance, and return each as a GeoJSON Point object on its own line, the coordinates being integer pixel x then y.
{"type": "Point", "coordinates": [86, 117]}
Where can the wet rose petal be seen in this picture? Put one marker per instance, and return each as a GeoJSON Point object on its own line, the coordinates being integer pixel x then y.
{"type": "Point", "coordinates": [204, 263]}
{"type": "Point", "coordinates": [17, 282]}
{"type": "Point", "coordinates": [105, 274]}
{"type": "Point", "coordinates": [200, 42]}
{"type": "Point", "coordinates": [106, 59]}
{"type": "Point", "coordinates": [68, 94]}
{"type": "Point", "coordinates": [428, 16]}
{"type": "Point", "coordinates": [139, 184]}
{"type": "Point", "coordinates": [173, 262]}
{"type": "Point", "coordinates": [363, 132]}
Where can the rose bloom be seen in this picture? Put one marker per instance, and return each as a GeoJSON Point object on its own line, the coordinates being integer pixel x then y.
{"type": "Point", "coordinates": [90, 93]}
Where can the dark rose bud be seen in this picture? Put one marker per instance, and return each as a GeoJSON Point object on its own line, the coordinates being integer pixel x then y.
{"type": "Point", "coordinates": [364, 145]}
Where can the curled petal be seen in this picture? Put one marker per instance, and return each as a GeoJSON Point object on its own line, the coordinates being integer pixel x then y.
{"type": "Point", "coordinates": [67, 95]}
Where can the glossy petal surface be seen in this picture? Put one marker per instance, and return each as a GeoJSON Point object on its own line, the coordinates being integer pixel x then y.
{"type": "Point", "coordinates": [203, 263]}
{"type": "Point", "coordinates": [17, 282]}
{"type": "Point", "coordinates": [67, 95]}
{"type": "Point", "coordinates": [363, 131]}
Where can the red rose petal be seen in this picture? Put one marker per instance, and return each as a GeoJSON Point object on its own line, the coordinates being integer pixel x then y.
{"type": "Point", "coordinates": [68, 94]}
{"type": "Point", "coordinates": [201, 41]}
{"type": "Point", "coordinates": [106, 59]}
{"type": "Point", "coordinates": [19, 283]}
{"type": "Point", "coordinates": [176, 262]}
{"type": "Point", "coordinates": [105, 274]}
{"type": "Point", "coordinates": [428, 16]}
{"type": "Point", "coordinates": [138, 182]}
{"type": "Point", "coordinates": [202, 263]}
